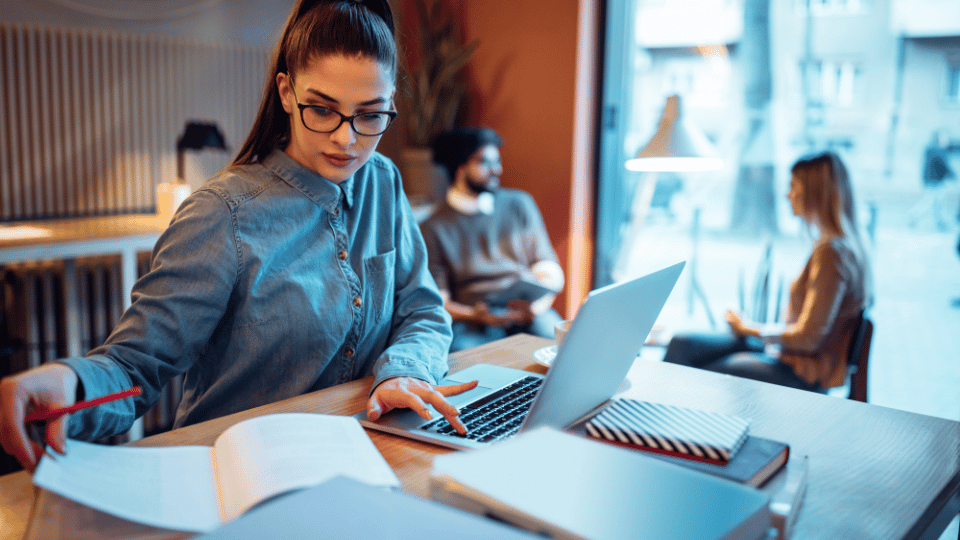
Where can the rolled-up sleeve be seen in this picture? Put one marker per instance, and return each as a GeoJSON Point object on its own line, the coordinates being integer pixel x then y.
{"type": "Point", "coordinates": [175, 308]}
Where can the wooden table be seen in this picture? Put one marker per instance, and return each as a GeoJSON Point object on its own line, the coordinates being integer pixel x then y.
{"type": "Point", "coordinates": [873, 472]}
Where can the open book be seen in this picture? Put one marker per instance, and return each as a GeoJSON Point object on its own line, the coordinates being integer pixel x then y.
{"type": "Point", "coordinates": [198, 488]}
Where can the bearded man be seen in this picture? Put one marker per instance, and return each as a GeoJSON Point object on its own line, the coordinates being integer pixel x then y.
{"type": "Point", "coordinates": [482, 239]}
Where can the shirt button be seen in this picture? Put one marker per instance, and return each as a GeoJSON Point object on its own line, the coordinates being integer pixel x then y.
{"type": "Point", "coordinates": [348, 353]}
{"type": "Point", "coordinates": [342, 255]}
{"type": "Point", "coordinates": [336, 212]}
{"type": "Point", "coordinates": [357, 301]}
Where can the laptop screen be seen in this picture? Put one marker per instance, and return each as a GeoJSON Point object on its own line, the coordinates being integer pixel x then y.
{"type": "Point", "coordinates": [601, 346]}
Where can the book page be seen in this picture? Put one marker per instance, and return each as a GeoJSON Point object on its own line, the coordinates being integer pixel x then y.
{"type": "Point", "coordinates": [171, 488]}
{"type": "Point", "coordinates": [268, 455]}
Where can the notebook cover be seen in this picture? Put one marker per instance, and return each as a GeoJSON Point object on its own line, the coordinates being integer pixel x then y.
{"type": "Point", "coordinates": [345, 508]}
{"type": "Point", "coordinates": [564, 486]}
{"type": "Point", "coordinates": [756, 462]}
{"type": "Point", "coordinates": [674, 431]}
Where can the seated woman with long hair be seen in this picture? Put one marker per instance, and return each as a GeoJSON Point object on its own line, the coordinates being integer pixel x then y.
{"type": "Point", "coordinates": [826, 300]}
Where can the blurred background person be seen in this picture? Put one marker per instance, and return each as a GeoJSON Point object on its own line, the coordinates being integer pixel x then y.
{"type": "Point", "coordinates": [935, 174]}
{"type": "Point", "coordinates": [826, 300]}
{"type": "Point", "coordinates": [481, 239]}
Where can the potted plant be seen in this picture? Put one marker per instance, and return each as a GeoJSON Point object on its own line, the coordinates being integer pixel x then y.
{"type": "Point", "coordinates": [433, 95]}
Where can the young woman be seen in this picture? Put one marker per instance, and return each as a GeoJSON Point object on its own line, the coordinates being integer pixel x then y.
{"type": "Point", "coordinates": [826, 300]}
{"type": "Point", "coordinates": [297, 268]}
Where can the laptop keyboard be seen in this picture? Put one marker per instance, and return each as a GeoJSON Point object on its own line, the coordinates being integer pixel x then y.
{"type": "Point", "coordinates": [496, 416]}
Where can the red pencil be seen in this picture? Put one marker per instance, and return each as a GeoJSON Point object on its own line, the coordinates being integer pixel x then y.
{"type": "Point", "coordinates": [53, 414]}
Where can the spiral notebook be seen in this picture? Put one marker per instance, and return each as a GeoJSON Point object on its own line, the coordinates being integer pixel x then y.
{"type": "Point", "coordinates": [667, 429]}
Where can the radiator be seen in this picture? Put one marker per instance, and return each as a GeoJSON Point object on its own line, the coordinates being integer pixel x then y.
{"type": "Point", "coordinates": [35, 310]}
{"type": "Point", "coordinates": [89, 119]}
{"type": "Point", "coordinates": [88, 127]}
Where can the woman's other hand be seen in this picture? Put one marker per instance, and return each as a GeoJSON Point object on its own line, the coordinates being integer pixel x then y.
{"type": "Point", "coordinates": [738, 327]}
{"type": "Point", "coordinates": [48, 387]}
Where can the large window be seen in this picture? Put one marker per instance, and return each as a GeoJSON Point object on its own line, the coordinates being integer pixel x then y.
{"type": "Point", "coordinates": [768, 82]}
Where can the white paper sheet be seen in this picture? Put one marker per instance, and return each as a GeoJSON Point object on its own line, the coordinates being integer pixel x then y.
{"type": "Point", "coordinates": [172, 488]}
{"type": "Point", "coordinates": [198, 488]}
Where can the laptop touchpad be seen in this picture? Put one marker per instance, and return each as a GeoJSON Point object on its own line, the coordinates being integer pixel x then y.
{"type": "Point", "coordinates": [460, 400]}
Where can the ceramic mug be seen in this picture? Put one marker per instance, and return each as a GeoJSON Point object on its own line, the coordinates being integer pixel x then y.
{"type": "Point", "coordinates": [560, 330]}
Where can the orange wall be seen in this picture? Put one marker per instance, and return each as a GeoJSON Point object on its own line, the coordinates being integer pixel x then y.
{"type": "Point", "coordinates": [523, 83]}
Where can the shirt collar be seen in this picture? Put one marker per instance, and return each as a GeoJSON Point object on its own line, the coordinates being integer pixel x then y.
{"type": "Point", "coordinates": [315, 187]}
{"type": "Point", "coordinates": [467, 205]}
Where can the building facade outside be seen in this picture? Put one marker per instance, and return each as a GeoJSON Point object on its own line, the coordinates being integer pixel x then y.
{"type": "Point", "coordinates": [871, 79]}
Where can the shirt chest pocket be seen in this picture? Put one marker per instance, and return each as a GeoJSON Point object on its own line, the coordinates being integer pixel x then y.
{"type": "Point", "coordinates": [378, 288]}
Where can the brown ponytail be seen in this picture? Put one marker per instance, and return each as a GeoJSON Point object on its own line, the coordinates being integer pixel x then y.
{"type": "Point", "coordinates": [317, 28]}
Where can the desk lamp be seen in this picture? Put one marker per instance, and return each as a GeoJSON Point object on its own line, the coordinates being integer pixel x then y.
{"type": "Point", "coordinates": [677, 146]}
{"type": "Point", "coordinates": [196, 136]}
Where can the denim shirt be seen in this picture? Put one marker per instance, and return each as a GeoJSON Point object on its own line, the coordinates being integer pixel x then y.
{"type": "Point", "coordinates": [271, 282]}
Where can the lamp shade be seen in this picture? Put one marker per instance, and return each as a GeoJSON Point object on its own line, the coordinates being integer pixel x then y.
{"type": "Point", "coordinates": [676, 146]}
{"type": "Point", "coordinates": [197, 136]}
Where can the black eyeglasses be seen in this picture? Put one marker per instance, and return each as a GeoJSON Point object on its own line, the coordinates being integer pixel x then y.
{"type": "Point", "coordinates": [323, 120]}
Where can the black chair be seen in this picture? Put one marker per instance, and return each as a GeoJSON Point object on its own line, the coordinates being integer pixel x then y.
{"type": "Point", "coordinates": [858, 358]}
{"type": "Point", "coordinates": [9, 346]}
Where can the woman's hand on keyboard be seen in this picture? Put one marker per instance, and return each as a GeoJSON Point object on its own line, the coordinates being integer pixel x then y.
{"type": "Point", "coordinates": [415, 394]}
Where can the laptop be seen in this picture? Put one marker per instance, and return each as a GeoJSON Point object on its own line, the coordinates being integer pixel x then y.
{"type": "Point", "coordinates": [604, 340]}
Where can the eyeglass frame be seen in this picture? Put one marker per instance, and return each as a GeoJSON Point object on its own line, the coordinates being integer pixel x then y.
{"type": "Point", "coordinates": [343, 118]}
